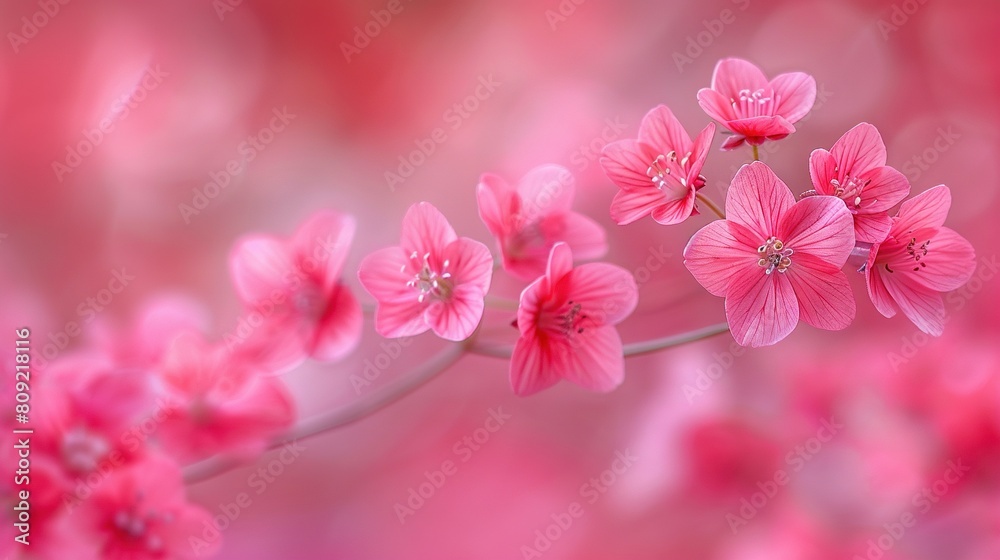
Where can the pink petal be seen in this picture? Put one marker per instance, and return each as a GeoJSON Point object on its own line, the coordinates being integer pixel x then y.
{"type": "Point", "coordinates": [338, 331]}
{"type": "Point", "coordinates": [661, 129]}
{"type": "Point", "coordinates": [716, 105]}
{"type": "Point", "coordinates": [824, 294]}
{"type": "Point", "coordinates": [757, 198]}
{"type": "Point", "coordinates": [325, 241]}
{"type": "Point", "coordinates": [626, 161]}
{"type": "Point", "coordinates": [734, 74]}
{"type": "Point", "coordinates": [259, 265]}
{"type": "Point", "coordinates": [456, 319]}
{"type": "Point", "coordinates": [426, 230]}
{"type": "Point", "coordinates": [926, 210]}
{"type": "Point", "coordinates": [586, 237]}
{"type": "Point", "coordinates": [530, 305]}
{"type": "Point", "coordinates": [469, 262]}
{"type": "Point", "coordinates": [859, 150]}
{"type": "Point", "coordinates": [761, 308]}
{"type": "Point", "coordinates": [923, 306]}
{"type": "Point", "coordinates": [493, 197]}
{"type": "Point", "coordinates": [630, 205]}
{"type": "Point", "coordinates": [401, 317]}
{"type": "Point", "coordinates": [886, 189]}
{"type": "Point", "coordinates": [594, 360]}
{"type": "Point", "coordinates": [385, 272]}
{"type": "Point", "coordinates": [545, 189]}
{"type": "Point", "coordinates": [733, 142]}
{"type": "Point", "coordinates": [531, 367]}
{"type": "Point", "coordinates": [699, 150]}
{"type": "Point", "coordinates": [950, 261]}
{"type": "Point", "coordinates": [606, 293]}
{"type": "Point", "coordinates": [560, 264]}
{"type": "Point", "coordinates": [876, 288]}
{"type": "Point", "coordinates": [759, 128]}
{"type": "Point", "coordinates": [717, 253]}
{"type": "Point", "coordinates": [822, 169]}
{"type": "Point", "coordinates": [819, 226]}
{"type": "Point", "coordinates": [872, 228]}
{"type": "Point", "coordinates": [675, 211]}
{"type": "Point", "coordinates": [796, 93]}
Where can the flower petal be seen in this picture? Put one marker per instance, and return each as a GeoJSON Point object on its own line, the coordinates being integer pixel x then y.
{"type": "Point", "coordinates": [401, 317]}
{"type": "Point", "coordinates": [385, 272]}
{"type": "Point", "coordinates": [456, 319]}
{"type": "Point", "coordinates": [494, 200]}
{"type": "Point", "coordinates": [871, 228]}
{"type": "Point", "coordinates": [661, 129]}
{"type": "Point", "coordinates": [626, 161]}
{"type": "Point", "coordinates": [761, 309]}
{"type": "Point", "coordinates": [923, 306]}
{"type": "Point", "coordinates": [796, 93]}
{"type": "Point", "coordinates": [322, 243]}
{"type": "Point", "coordinates": [560, 264]}
{"type": "Point", "coordinates": [675, 211]}
{"type": "Point", "coordinates": [757, 198]}
{"type": "Point", "coordinates": [928, 209]}
{"type": "Point", "coordinates": [606, 293]}
{"type": "Point", "coordinates": [950, 261]}
{"type": "Point", "coordinates": [734, 74]}
{"type": "Point", "coordinates": [860, 149]}
{"type": "Point", "coordinates": [822, 169]}
{"type": "Point", "coordinates": [594, 360]}
{"type": "Point", "coordinates": [820, 226]}
{"type": "Point", "coordinates": [699, 150]}
{"type": "Point", "coordinates": [630, 205]}
{"type": "Point", "coordinates": [531, 365]}
{"type": "Point", "coordinates": [259, 265]}
{"type": "Point", "coordinates": [756, 129]}
{"type": "Point", "coordinates": [545, 189]}
{"type": "Point", "coordinates": [716, 105]}
{"type": "Point", "coordinates": [586, 237]}
{"type": "Point", "coordinates": [887, 188]}
{"type": "Point", "coordinates": [717, 254]}
{"type": "Point", "coordinates": [338, 331]}
{"type": "Point", "coordinates": [877, 292]}
{"type": "Point", "coordinates": [426, 230]}
{"type": "Point", "coordinates": [469, 262]}
{"type": "Point", "coordinates": [824, 294]}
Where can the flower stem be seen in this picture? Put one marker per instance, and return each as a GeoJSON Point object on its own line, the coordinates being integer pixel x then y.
{"type": "Point", "coordinates": [633, 349]}
{"type": "Point", "coordinates": [756, 153]}
{"type": "Point", "coordinates": [333, 419]}
{"type": "Point", "coordinates": [711, 205]}
{"type": "Point", "coordinates": [501, 303]}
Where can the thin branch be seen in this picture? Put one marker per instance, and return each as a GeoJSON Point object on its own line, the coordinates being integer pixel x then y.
{"type": "Point", "coordinates": [711, 205]}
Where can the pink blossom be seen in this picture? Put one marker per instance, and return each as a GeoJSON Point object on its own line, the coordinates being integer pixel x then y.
{"type": "Point", "coordinates": [919, 259]}
{"type": "Point", "coordinates": [432, 280]}
{"type": "Point", "coordinates": [529, 219]}
{"type": "Point", "coordinates": [295, 286]}
{"type": "Point", "coordinates": [854, 170]}
{"type": "Point", "coordinates": [658, 174]}
{"type": "Point", "coordinates": [566, 319]}
{"type": "Point", "coordinates": [216, 401]}
{"type": "Point", "coordinates": [775, 260]}
{"type": "Point", "coordinates": [140, 513]}
{"type": "Point", "coordinates": [753, 108]}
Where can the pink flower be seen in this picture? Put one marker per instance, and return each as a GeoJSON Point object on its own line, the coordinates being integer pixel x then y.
{"type": "Point", "coordinates": [215, 401]}
{"type": "Point", "coordinates": [566, 319]}
{"type": "Point", "coordinates": [658, 174]}
{"type": "Point", "coordinates": [528, 220]}
{"type": "Point", "coordinates": [432, 280]}
{"type": "Point", "coordinates": [775, 260]}
{"type": "Point", "coordinates": [139, 512]}
{"type": "Point", "coordinates": [754, 109]}
{"type": "Point", "coordinates": [295, 286]}
{"type": "Point", "coordinates": [854, 170]}
{"type": "Point", "coordinates": [918, 261]}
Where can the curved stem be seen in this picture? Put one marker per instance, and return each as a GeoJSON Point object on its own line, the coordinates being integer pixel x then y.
{"type": "Point", "coordinates": [711, 205]}
{"type": "Point", "coordinates": [756, 152]}
{"type": "Point", "coordinates": [633, 349]}
{"type": "Point", "coordinates": [349, 414]}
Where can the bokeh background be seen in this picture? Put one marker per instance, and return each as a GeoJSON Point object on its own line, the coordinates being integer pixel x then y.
{"type": "Point", "coordinates": [704, 427]}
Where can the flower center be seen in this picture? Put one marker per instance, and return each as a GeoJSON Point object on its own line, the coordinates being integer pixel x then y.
{"type": "Point", "coordinates": [133, 527]}
{"type": "Point", "coordinates": [754, 103]}
{"type": "Point", "coordinates": [82, 451]}
{"type": "Point", "coordinates": [915, 252]}
{"type": "Point", "coordinates": [430, 282]}
{"type": "Point", "coordinates": [774, 255]}
{"type": "Point", "coordinates": [308, 300]}
{"type": "Point", "coordinates": [572, 318]}
{"type": "Point", "coordinates": [668, 175]}
{"type": "Point", "coordinates": [850, 190]}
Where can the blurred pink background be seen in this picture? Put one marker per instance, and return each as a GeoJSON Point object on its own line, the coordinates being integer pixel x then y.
{"type": "Point", "coordinates": [658, 467]}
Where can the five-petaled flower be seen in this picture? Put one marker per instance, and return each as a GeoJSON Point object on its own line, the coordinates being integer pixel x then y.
{"type": "Point", "coordinates": [854, 170]}
{"type": "Point", "coordinates": [775, 260]}
{"type": "Point", "coordinates": [658, 174]}
{"type": "Point", "coordinates": [753, 108]}
{"type": "Point", "coordinates": [566, 319]}
{"type": "Point", "coordinates": [918, 260]}
{"type": "Point", "coordinates": [432, 280]}
{"type": "Point", "coordinates": [529, 219]}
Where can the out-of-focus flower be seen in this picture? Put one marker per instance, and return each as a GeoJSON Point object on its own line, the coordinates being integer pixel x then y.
{"type": "Point", "coordinates": [775, 260]}
{"type": "Point", "coordinates": [529, 219]}
{"type": "Point", "coordinates": [854, 170]}
{"type": "Point", "coordinates": [216, 401]}
{"type": "Point", "coordinates": [566, 319]}
{"type": "Point", "coordinates": [432, 280]}
{"type": "Point", "coordinates": [753, 108]}
{"type": "Point", "coordinates": [918, 261]}
{"type": "Point", "coordinates": [140, 513]}
{"type": "Point", "coordinates": [660, 173]}
{"type": "Point", "coordinates": [295, 286]}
